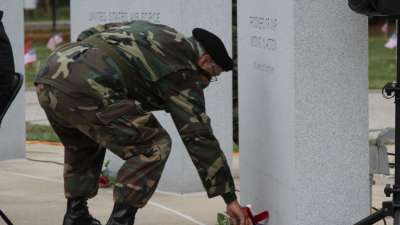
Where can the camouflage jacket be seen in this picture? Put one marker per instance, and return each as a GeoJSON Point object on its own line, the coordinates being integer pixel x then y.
{"type": "Point", "coordinates": [166, 77]}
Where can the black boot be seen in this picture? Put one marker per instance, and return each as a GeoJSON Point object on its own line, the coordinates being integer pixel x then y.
{"type": "Point", "coordinates": [122, 214]}
{"type": "Point", "coordinates": [78, 213]}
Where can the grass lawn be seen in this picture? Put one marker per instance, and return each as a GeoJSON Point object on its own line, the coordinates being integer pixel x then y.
{"type": "Point", "coordinates": [382, 63]}
{"type": "Point", "coordinates": [235, 147]}
{"type": "Point", "coordinates": [41, 133]}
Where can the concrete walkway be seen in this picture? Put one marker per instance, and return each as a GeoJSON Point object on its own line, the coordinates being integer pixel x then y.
{"type": "Point", "coordinates": [33, 193]}
{"type": "Point", "coordinates": [381, 113]}
{"type": "Point", "coordinates": [34, 114]}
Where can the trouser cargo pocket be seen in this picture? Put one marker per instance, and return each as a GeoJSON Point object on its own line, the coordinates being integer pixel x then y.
{"type": "Point", "coordinates": [130, 121]}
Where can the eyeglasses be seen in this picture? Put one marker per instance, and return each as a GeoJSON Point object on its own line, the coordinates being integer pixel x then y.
{"type": "Point", "coordinates": [214, 78]}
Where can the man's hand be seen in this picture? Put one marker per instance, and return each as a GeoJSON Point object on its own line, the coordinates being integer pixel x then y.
{"type": "Point", "coordinates": [234, 211]}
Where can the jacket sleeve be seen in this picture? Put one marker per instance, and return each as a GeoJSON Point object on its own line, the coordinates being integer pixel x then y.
{"type": "Point", "coordinates": [89, 32]}
{"type": "Point", "coordinates": [97, 29]}
{"type": "Point", "coordinates": [185, 102]}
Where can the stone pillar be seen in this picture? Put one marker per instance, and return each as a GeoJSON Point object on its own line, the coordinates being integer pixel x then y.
{"type": "Point", "coordinates": [303, 86]}
{"type": "Point", "coordinates": [12, 131]}
{"type": "Point", "coordinates": [180, 175]}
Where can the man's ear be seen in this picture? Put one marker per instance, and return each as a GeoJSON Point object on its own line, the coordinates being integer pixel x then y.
{"type": "Point", "coordinates": [204, 59]}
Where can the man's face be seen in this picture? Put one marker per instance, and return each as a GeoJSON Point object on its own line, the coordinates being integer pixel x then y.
{"type": "Point", "coordinates": [205, 63]}
{"type": "Point", "coordinates": [213, 70]}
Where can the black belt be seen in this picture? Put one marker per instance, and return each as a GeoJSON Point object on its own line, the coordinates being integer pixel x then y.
{"type": "Point", "coordinates": [114, 55]}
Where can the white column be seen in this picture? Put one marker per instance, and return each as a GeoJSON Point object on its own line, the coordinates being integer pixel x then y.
{"type": "Point", "coordinates": [303, 90]}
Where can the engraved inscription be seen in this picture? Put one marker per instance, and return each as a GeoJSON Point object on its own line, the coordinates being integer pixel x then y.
{"type": "Point", "coordinates": [263, 23]}
{"type": "Point", "coordinates": [264, 67]}
{"type": "Point", "coordinates": [118, 16]}
{"type": "Point", "coordinates": [97, 16]}
{"type": "Point", "coordinates": [152, 17]}
{"type": "Point", "coordinates": [264, 43]}
{"type": "Point", "coordinates": [264, 38]}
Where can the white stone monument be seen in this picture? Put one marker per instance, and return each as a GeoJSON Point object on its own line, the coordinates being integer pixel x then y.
{"type": "Point", "coordinates": [303, 90]}
{"type": "Point", "coordinates": [180, 175]}
{"type": "Point", "coordinates": [12, 131]}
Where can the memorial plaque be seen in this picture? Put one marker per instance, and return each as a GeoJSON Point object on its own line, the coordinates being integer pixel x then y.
{"type": "Point", "coordinates": [12, 131]}
{"type": "Point", "coordinates": [180, 175]}
{"type": "Point", "coordinates": [303, 90]}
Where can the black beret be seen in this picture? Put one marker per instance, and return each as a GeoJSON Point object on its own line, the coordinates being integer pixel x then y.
{"type": "Point", "coordinates": [215, 48]}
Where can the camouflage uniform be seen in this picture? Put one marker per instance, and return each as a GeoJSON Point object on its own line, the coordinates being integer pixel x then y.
{"type": "Point", "coordinates": [235, 96]}
{"type": "Point", "coordinates": [84, 96]}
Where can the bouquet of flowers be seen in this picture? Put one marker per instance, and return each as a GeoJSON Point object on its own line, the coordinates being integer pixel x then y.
{"type": "Point", "coordinates": [106, 179]}
{"type": "Point", "coordinates": [224, 219]}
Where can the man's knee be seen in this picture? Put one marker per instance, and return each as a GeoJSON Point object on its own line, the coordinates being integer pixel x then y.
{"type": "Point", "coordinates": [163, 142]}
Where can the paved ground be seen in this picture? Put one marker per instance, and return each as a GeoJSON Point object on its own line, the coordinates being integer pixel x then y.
{"type": "Point", "coordinates": [381, 113]}
{"type": "Point", "coordinates": [34, 114]}
{"type": "Point", "coordinates": [32, 193]}
{"type": "Point", "coordinates": [37, 193]}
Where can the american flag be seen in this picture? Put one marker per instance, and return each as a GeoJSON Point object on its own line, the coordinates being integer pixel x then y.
{"type": "Point", "coordinates": [58, 38]}
{"type": "Point", "coordinates": [54, 40]}
{"type": "Point", "coordinates": [392, 42]}
{"type": "Point", "coordinates": [51, 44]}
{"type": "Point", "coordinates": [28, 47]}
{"type": "Point", "coordinates": [30, 56]}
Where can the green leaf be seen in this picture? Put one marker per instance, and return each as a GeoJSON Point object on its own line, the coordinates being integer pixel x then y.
{"type": "Point", "coordinates": [224, 219]}
{"type": "Point", "coordinates": [106, 163]}
{"type": "Point", "coordinates": [220, 219]}
{"type": "Point", "coordinates": [110, 178]}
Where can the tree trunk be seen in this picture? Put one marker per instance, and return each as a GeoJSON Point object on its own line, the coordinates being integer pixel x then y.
{"type": "Point", "coordinates": [48, 12]}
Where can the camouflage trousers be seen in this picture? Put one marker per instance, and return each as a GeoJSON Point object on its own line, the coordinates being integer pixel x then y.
{"type": "Point", "coordinates": [123, 128]}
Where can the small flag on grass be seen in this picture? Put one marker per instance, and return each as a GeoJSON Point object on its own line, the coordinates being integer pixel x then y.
{"type": "Point", "coordinates": [28, 47]}
{"type": "Point", "coordinates": [392, 42]}
{"type": "Point", "coordinates": [30, 56]}
{"type": "Point", "coordinates": [54, 40]}
{"type": "Point", "coordinates": [51, 44]}
{"type": "Point", "coordinates": [58, 38]}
